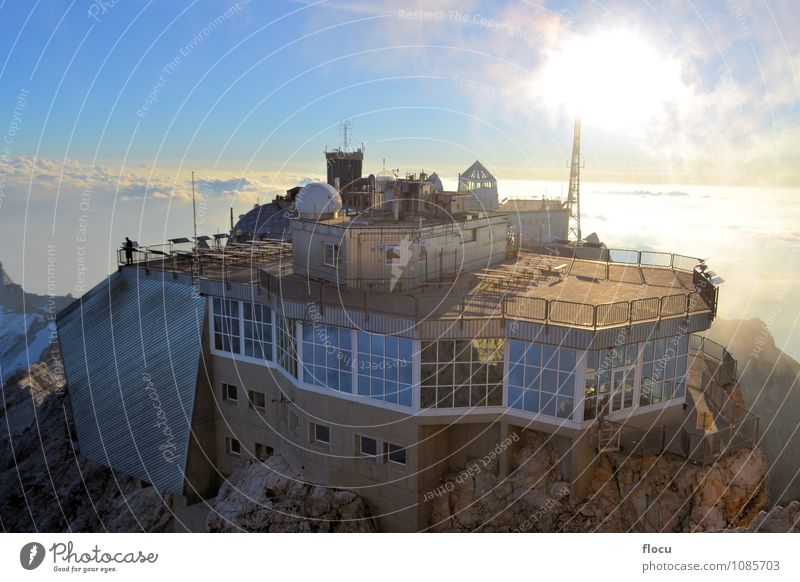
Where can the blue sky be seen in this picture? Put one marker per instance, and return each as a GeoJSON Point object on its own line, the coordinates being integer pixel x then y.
{"type": "Point", "coordinates": [120, 101]}
{"type": "Point", "coordinates": [273, 78]}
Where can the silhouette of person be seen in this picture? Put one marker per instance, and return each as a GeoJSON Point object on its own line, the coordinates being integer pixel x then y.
{"type": "Point", "coordinates": [128, 251]}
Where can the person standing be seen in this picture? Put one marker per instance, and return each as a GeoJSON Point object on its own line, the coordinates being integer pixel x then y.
{"type": "Point", "coordinates": [128, 251]}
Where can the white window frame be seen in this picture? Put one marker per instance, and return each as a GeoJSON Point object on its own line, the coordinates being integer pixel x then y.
{"type": "Point", "coordinates": [229, 447]}
{"type": "Point", "coordinates": [251, 405]}
{"type": "Point", "coordinates": [225, 398]}
{"type": "Point", "coordinates": [361, 452]}
{"type": "Point", "coordinates": [388, 452]}
{"type": "Point", "coordinates": [315, 438]}
{"type": "Point", "coordinates": [337, 255]}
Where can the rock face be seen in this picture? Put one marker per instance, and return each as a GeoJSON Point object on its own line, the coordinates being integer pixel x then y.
{"type": "Point", "coordinates": [45, 487]}
{"type": "Point", "coordinates": [269, 497]}
{"type": "Point", "coordinates": [777, 520]}
{"type": "Point", "coordinates": [770, 382]}
{"type": "Point", "coordinates": [26, 326]}
{"type": "Point", "coordinates": [656, 494]}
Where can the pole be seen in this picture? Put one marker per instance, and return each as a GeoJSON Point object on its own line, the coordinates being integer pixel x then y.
{"type": "Point", "coordinates": [194, 215]}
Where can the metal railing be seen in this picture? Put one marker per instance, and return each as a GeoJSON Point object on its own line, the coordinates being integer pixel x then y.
{"type": "Point", "coordinates": [704, 448]}
{"type": "Point", "coordinates": [232, 266]}
{"type": "Point", "coordinates": [630, 440]}
{"type": "Point", "coordinates": [717, 388]}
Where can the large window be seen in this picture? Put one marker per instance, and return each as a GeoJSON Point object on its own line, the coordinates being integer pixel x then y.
{"type": "Point", "coordinates": [287, 344]}
{"type": "Point", "coordinates": [328, 356]}
{"type": "Point", "coordinates": [611, 375]}
{"type": "Point", "coordinates": [462, 373]}
{"type": "Point", "coordinates": [663, 370]}
{"type": "Point", "coordinates": [242, 328]}
{"type": "Point", "coordinates": [384, 367]}
{"type": "Point", "coordinates": [610, 380]}
{"type": "Point", "coordinates": [541, 378]}
{"type": "Point", "coordinates": [226, 325]}
{"type": "Point", "coordinates": [257, 328]}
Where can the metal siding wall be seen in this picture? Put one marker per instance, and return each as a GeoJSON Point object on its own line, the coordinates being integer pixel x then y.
{"type": "Point", "coordinates": [122, 329]}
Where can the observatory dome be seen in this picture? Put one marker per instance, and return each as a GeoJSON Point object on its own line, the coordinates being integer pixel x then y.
{"type": "Point", "coordinates": [318, 200]}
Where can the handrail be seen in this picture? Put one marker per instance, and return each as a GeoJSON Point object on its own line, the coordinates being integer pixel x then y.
{"type": "Point", "coordinates": [630, 439]}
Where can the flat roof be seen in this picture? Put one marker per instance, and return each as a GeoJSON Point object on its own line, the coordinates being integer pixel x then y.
{"type": "Point", "coordinates": [560, 290]}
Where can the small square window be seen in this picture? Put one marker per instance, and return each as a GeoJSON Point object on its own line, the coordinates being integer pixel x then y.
{"type": "Point", "coordinates": [321, 433]}
{"type": "Point", "coordinates": [331, 255]}
{"type": "Point", "coordinates": [395, 453]}
{"type": "Point", "coordinates": [230, 393]}
{"type": "Point", "coordinates": [233, 447]}
{"type": "Point", "coordinates": [262, 452]}
{"type": "Point", "coordinates": [367, 446]}
{"type": "Point", "coordinates": [258, 400]}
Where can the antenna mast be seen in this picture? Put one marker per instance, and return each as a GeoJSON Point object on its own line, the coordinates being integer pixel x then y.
{"type": "Point", "coordinates": [345, 139]}
{"type": "Point", "coordinates": [194, 214]}
{"type": "Point", "coordinates": [574, 192]}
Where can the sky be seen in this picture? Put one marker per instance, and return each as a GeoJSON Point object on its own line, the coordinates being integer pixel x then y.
{"type": "Point", "coordinates": [108, 106]}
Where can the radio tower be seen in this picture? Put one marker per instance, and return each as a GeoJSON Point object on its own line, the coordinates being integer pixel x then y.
{"type": "Point", "coordinates": [574, 193]}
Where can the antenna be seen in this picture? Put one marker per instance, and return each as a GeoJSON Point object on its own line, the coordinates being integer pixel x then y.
{"type": "Point", "coordinates": [345, 137]}
{"type": "Point", "coordinates": [194, 214]}
{"type": "Point", "coordinates": [574, 192]}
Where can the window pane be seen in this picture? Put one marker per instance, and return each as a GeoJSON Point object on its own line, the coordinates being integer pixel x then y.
{"type": "Point", "coordinates": [369, 446]}
{"type": "Point", "coordinates": [531, 400]}
{"type": "Point", "coordinates": [549, 357]}
{"type": "Point", "coordinates": [533, 356]}
{"type": "Point", "coordinates": [516, 351]}
{"type": "Point", "coordinates": [516, 374]}
{"type": "Point", "coordinates": [567, 359]}
{"type": "Point", "coordinates": [565, 406]}
{"type": "Point", "coordinates": [397, 454]}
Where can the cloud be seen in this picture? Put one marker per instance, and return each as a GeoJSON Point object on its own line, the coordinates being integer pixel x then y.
{"type": "Point", "coordinates": [137, 183]}
{"type": "Point", "coordinates": [729, 115]}
{"type": "Point", "coordinates": [641, 193]}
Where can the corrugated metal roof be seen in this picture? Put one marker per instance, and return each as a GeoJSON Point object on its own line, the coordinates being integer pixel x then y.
{"type": "Point", "coordinates": [131, 349]}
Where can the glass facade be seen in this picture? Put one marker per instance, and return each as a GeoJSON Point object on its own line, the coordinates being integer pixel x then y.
{"type": "Point", "coordinates": [385, 367]}
{"type": "Point", "coordinates": [287, 344]}
{"type": "Point", "coordinates": [462, 373]}
{"type": "Point", "coordinates": [664, 364]}
{"type": "Point", "coordinates": [541, 378]}
{"type": "Point", "coordinates": [610, 383]}
{"type": "Point", "coordinates": [257, 327]}
{"type": "Point", "coordinates": [328, 356]}
{"type": "Point", "coordinates": [226, 325]}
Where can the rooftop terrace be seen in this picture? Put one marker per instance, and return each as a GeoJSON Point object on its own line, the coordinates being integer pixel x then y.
{"type": "Point", "coordinates": [630, 287]}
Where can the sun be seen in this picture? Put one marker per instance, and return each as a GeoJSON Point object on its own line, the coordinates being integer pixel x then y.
{"type": "Point", "coordinates": [613, 78]}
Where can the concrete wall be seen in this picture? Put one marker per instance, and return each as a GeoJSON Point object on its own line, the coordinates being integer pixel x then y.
{"type": "Point", "coordinates": [539, 226]}
{"type": "Point", "coordinates": [390, 490]}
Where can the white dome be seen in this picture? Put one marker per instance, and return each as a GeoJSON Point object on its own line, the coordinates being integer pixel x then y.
{"type": "Point", "coordinates": [318, 200]}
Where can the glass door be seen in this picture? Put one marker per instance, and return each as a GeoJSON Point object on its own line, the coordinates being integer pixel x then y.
{"type": "Point", "coordinates": [622, 383]}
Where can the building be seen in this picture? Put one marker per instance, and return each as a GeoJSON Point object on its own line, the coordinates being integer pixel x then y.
{"type": "Point", "coordinates": [537, 221]}
{"type": "Point", "coordinates": [479, 183]}
{"type": "Point", "coordinates": [378, 351]}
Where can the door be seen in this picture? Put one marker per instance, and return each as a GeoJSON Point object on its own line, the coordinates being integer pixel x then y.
{"type": "Point", "coordinates": [622, 381]}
